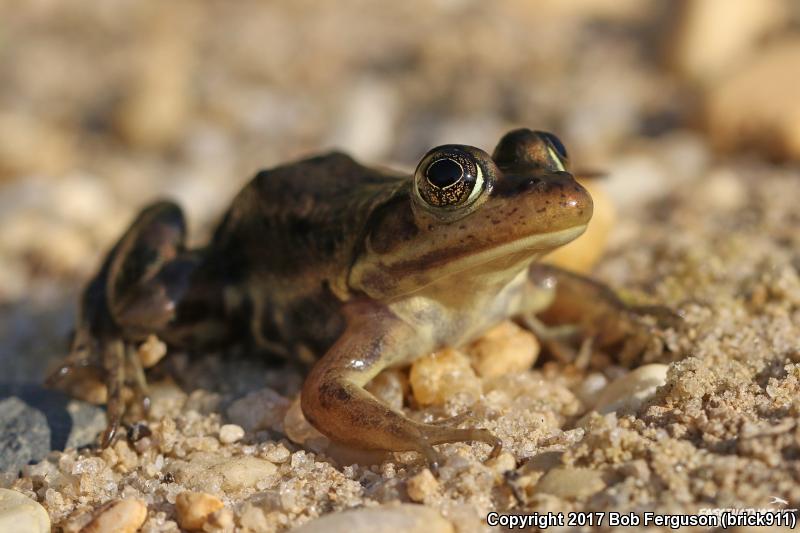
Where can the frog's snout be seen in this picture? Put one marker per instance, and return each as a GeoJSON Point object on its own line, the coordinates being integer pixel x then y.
{"type": "Point", "coordinates": [573, 201]}
{"type": "Point", "coordinates": [556, 199]}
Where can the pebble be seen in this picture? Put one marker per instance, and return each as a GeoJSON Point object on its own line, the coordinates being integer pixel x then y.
{"type": "Point", "coordinates": [390, 386]}
{"type": "Point", "coordinates": [34, 420]}
{"type": "Point", "coordinates": [121, 516]}
{"type": "Point", "coordinates": [151, 351]}
{"type": "Point", "coordinates": [366, 126]}
{"type": "Point", "coordinates": [440, 375]}
{"type": "Point", "coordinates": [261, 409]}
{"type": "Point", "coordinates": [744, 111]}
{"type": "Point", "coordinates": [504, 349]}
{"type": "Point", "coordinates": [407, 518]}
{"type": "Point", "coordinates": [230, 433]}
{"type": "Point", "coordinates": [195, 508]}
{"type": "Point", "coordinates": [24, 434]}
{"type": "Point", "coordinates": [212, 472]}
{"type": "Point", "coordinates": [422, 486]}
{"type": "Point", "coordinates": [711, 36]}
{"type": "Point", "coordinates": [29, 145]}
{"type": "Point", "coordinates": [157, 106]}
{"type": "Point", "coordinates": [20, 514]}
{"type": "Point", "coordinates": [632, 389]}
{"type": "Point", "coordinates": [571, 483]}
{"type": "Point", "coordinates": [300, 431]}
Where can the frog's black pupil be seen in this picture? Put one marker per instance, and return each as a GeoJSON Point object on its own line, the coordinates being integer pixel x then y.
{"type": "Point", "coordinates": [557, 144]}
{"type": "Point", "coordinates": [444, 173]}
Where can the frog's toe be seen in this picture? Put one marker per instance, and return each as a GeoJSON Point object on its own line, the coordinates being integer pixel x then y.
{"type": "Point", "coordinates": [138, 380]}
{"type": "Point", "coordinates": [114, 363]}
{"type": "Point", "coordinates": [436, 434]}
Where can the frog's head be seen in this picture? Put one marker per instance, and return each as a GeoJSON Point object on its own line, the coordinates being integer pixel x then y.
{"type": "Point", "coordinates": [465, 213]}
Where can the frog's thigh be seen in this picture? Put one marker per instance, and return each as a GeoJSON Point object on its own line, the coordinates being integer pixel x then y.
{"type": "Point", "coordinates": [335, 402]}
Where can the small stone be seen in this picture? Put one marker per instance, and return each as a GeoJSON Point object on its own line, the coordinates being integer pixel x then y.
{"type": "Point", "coordinates": [120, 516]}
{"type": "Point", "coordinates": [151, 351]}
{"type": "Point", "coordinates": [745, 112]}
{"type": "Point", "coordinates": [571, 483]}
{"type": "Point", "coordinates": [711, 36]}
{"type": "Point", "coordinates": [504, 349]}
{"type": "Point", "coordinates": [390, 386]}
{"type": "Point", "coordinates": [724, 190]}
{"type": "Point", "coordinates": [261, 409]}
{"type": "Point", "coordinates": [31, 146]}
{"type": "Point", "coordinates": [632, 389]}
{"type": "Point", "coordinates": [24, 434]}
{"type": "Point", "coordinates": [195, 508]}
{"type": "Point", "coordinates": [422, 486]}
{"type": "Point", "coordinates": [407, 518]}
{"type": "Point", "coordinates": [155, 109]}
{"type": "Point", "coordinates": [20, 514]}
{"type": "Point", "coordinates": [211, 472]}
{"type": "Point", "coordinates": [300, 431]}
{"type": "Point", "coordinates": [440, 375]}
{"type": "Point", "coordinates": [230, 433]}
{"type": "Point", "coordinates": [590, 388]}
{"type": "Point", "coordinates": [502, 463]}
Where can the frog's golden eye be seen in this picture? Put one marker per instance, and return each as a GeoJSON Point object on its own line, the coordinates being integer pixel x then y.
{"type": "Point", "coordinates": [448, 177]}
{"type": "Point", "coordinates": [557, 149]}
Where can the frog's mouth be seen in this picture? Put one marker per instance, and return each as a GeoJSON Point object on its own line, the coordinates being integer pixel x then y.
{"type": "Point", "coordinates": [524, 249]}
{"type": "Point", "coordinates": [492, 265]}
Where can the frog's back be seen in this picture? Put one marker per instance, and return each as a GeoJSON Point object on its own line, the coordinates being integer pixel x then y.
{"type": "Point", "coordinates": [298, 218]}
{"type": "Point", "coordinates": [290, 237]}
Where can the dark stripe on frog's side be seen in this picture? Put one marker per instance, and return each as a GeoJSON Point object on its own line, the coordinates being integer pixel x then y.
{"type": "Point", "coordinates": [301, 224]}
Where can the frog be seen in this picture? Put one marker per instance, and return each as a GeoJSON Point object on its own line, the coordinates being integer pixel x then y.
{"type": "Point", "coordinates": [353, 270]}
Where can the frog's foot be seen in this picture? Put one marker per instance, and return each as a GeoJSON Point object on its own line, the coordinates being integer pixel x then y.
{"type": "Point", "coordinates": [123, 369]}
{"type": "Point", "coordinates": [598, 313]}
{"type": "Point", "coordinates": [114, 363]}
{"type": "Point", "coordinates": [557, 340]}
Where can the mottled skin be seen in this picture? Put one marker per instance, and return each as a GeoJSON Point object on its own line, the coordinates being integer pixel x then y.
{"type": "Point", "coordinates": [353, 270]}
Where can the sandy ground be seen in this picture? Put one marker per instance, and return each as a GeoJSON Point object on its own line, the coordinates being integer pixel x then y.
{"type": "Point", "coordinates": [720, 433]}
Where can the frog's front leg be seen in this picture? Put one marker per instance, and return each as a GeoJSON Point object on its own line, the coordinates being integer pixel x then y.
{"type": "Point", "coordinates": [335, 402]}
{"type": "Point", "coordinates": [568, 302]}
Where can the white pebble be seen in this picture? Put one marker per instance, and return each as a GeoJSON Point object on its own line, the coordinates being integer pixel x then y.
{"type": "Point", "coordinates": [21, 514]}
{"type": "Point", "coordinates": [384, 519]}
{"type": "Point", "coordinates": [122, 516]}
{"type": "Point", "coordinates": [230, 433]}
{"type": "Point", "coordinates": [632, 389]}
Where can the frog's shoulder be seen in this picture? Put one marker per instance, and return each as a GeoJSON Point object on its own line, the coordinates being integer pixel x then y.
{"type": "Point", "coordinates": [326, 178]}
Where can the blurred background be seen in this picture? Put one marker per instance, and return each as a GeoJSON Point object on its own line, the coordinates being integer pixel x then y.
{"type": "Point", "coordinates": [107, 105]}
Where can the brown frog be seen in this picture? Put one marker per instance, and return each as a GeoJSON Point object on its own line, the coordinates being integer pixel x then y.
{"type": "Point", "coordinates": [354, 270]}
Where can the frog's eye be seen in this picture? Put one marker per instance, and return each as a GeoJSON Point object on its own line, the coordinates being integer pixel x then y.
{"type": "Point", "coordinates": [556, 147]}
{"type": "Point", "coordinates": [448, 177]}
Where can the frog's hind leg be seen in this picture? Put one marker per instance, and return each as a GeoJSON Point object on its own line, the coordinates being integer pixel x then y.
{"type": "Point", "coordinates": [564, 300]}
{"type": "Point", "coordinates": [335, 402]}
{"type": "Point", "coordinates": [134, 294]}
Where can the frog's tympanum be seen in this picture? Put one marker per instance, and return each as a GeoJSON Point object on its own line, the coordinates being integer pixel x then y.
{"type": "Point", "coordinates": [353, 270]}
